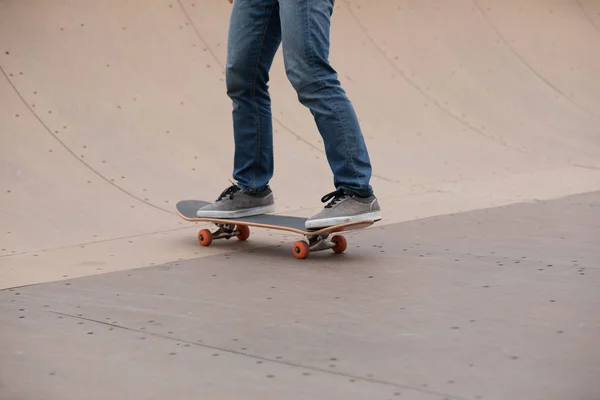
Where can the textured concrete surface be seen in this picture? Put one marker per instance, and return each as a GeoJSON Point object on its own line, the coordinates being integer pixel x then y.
{"type": "Point", "coordinates": [111, 112]}
{"type": "Point", "coordinates": [494, 304]}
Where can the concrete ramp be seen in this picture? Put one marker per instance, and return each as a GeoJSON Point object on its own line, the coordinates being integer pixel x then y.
{"type": "Point", "coordinates": [112, 111]}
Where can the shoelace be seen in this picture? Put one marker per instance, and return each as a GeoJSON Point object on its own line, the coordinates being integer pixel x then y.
{"type": "Point", "coordinates": [335, 197]}
{"type": "Point", "coordinates": [229, 192]}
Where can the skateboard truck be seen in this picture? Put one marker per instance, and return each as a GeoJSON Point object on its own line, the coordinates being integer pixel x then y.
{"type": "Point", "coordinates": [225, 231]}
{"type": "Point", "coordinates": [301, 248]}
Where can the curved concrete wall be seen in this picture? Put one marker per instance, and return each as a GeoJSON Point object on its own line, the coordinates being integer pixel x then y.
{"type": "Point", "coordinates": [112, 111]}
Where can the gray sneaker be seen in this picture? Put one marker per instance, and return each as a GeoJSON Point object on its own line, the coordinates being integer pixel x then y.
{"type": "Point", "coordinates": [234, 203]}
{"type": "Point", "coordinates": [345, 208]}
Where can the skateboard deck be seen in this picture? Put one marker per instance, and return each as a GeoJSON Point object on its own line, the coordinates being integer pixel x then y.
{"type": "Point", "coordinates": [318, 239]}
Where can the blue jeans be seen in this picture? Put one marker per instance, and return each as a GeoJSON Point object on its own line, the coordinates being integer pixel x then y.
{"type": "Point", "coordinates": [257, 28]}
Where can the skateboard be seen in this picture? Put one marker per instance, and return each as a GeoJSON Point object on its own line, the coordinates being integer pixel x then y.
{"type": "Point", "coordinates": [316, 240]}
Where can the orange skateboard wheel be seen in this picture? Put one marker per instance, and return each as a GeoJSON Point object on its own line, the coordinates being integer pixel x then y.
{"type": "Point", "coordinates": [205, 237]}
{"type": "Point", "coordinates": [244, 232]}
{"type": "Point", "coordinates": [340, 244]}
{"type": "Point", "coordinates": [301, 249]}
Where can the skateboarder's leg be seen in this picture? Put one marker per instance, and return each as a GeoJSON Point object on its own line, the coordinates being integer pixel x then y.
{"type": "Point", "coordinates": [305, 26]}
{"type": "Point", "coordinates": [254, 37]}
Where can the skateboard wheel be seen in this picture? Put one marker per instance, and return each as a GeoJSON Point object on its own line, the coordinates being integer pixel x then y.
{"type": "Point", "coordinates": [244, 232]}
{"type": "Point", "coordinates": [340, 244]}
{"type": "Point", "coordinates": [205, 237]}
{"type": "Point", "coordinates": [301, 249]}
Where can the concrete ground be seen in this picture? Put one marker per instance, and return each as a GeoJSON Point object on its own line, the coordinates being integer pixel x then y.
{"type": "Point", "coordinates": [494, 304]}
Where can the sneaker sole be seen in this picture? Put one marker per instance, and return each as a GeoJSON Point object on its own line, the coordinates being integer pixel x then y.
{"type": "Point", "coordinates": [327, 222]}
{"type": "Point", "coordinates": [236, 213]}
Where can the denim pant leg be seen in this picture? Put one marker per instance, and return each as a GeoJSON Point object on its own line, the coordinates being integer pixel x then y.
{"type": "Point", "coordinates": [253, 39]}
{"type": "Point", "coordinates": [305, 26]}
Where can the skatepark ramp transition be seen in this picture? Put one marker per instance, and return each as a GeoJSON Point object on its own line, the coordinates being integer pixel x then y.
{"type": "Point", "coordinates": [112, 111]}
